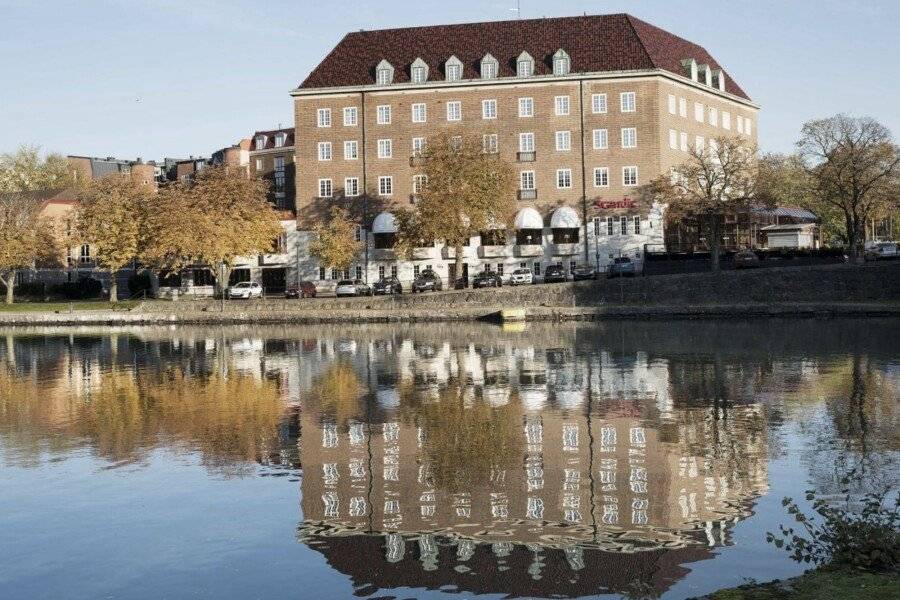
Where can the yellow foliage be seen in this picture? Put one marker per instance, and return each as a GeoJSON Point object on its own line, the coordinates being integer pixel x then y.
{"type": "Point", "coordinates": [335, 243]}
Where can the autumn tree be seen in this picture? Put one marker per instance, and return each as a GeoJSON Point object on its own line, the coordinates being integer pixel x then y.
{"type": "Point", "coordinates": [335, 242]}
{"type": "Point", "coordinates": [110, 217]}
{"type": "Point", "coordinates": [717, 179]}
{"type": "Point", "coordinates": [466, 191]}
{"type": "Point", "coordinates": [25, 237]}
{"type": "Point", "coordinates": [220, 216]}
{"type": "Point", "coordinates": [26, 171]}
{"type": "Point", "coordinates": [853, 167]}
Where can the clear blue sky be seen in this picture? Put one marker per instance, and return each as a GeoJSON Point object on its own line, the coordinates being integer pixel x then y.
{"type": "Point", "coordinates": [156, 78]}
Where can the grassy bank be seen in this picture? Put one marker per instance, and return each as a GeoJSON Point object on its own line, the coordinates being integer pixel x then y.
{"type": "Point", "coordinates": [819, 584]}
{"type": "Point", "coordinates": [64, 307]}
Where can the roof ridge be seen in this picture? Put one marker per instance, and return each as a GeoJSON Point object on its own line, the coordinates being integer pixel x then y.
{"type": "Point", "coordinates": [500, 22]}
{"type": "Point", "coordinates": [640, 39]}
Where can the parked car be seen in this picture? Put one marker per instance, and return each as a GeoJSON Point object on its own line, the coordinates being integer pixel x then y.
{"type": "Point", "coordinates": [555, 274]}
{"type": "Point", "coordinates": [880, 250]}
{"type": "Point", "coordinates": [521, 277]}
{"type": "Point", "coordinates": [387, 285]}
{"type": "Point", "coordinates": [304, 289]}
{"type": "Point", "coordinates": [622, 267]}
{"type": "Point", "coordinates": [352, 287]}
{"type": "Point", "coordinates": [745, 259]}
{"type": "Point", "coordinates": [582, 272]}
{"type": "Point", "coordinates": [245, 290]}
{"type": "Point", "coordinates": [427, 280]}
{"type": "Point", "coordinates": [487, 279]}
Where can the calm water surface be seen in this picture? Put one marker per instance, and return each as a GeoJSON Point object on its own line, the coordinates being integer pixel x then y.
{"type": "Point", "coordinates": [635, 460]}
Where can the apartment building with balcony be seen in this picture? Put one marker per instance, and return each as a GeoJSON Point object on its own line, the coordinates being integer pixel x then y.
{"type": "Point", "coordinates": [585, 109]}
{"type": "Point", "coordinates": [272, 159]}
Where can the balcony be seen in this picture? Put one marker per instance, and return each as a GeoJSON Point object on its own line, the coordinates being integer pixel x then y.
{"type": "Point", "coordinates": [564, 249]}
{"type": "Point", "coordinates": [427, 253]}
{"type": "Point", "coordinates": [528, 194]}
{"type": "Point", "coordinates": [416, 160]}
{"type": "Point", "coordinates": [493, 251]}
{"type": "Point", "coordinates": [526, 156]}
{"type": "Point", "coordinates": [449, 253]}
{"type": "Point", "coordinates": [384, 254]}
{"type": "Point", "coordinates": [523, 250]}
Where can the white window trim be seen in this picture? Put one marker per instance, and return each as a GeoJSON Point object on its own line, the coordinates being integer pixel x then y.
{"type": "Point", "coordinates": [390, 181]}
{"type": "Point", "coordinates": [387, 144]}
{"type": "Point", "coordinates": [348, 111]}
{"type": "Point", "coordinates": [347, 181]}
{"type": "Point", "coordinates": [529, 136]}
{"type": "Point", "coordinates": [320, 151]}
{"type": "Point", "coordinates": [622, 105]}
{"type": "Point", "coordinates": [381, 110]}
{"type": "Point", "coordinates": [484, 105]}
{"type": "Point", "coordinates": [594, 101]}
{"type": "Point", "coordinates": [598, 170]}
{"type": "Point", "coordinates": [558, 101]}
{"type": "Point", "coordinates": [604, 138]}
{"type": "Point", "coordinates": [561, 172]}
{"type": "Point", "coordinates": [351, 144]}
{"type": "Point", "coordinates": [424, 112]}
{"type": "Point", "coordinates": [522, 177]}
{"type": "Point", "coordinates": [564, 135]}
{"type": "Point", "coordinates": [622, 135]}
{"type": "Point", "coordinates": [330, 193]}
{"type": "Point", "coordinates": [323, 117]}
{"type": "Point", "coordinates": [458, 105]}
{"type": "Point", "coordinates": [636, 176]}
{"type": "Point", "coordinates": [529, 102]}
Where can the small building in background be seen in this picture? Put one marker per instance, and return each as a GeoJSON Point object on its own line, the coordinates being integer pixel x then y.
{"type": "Point", "coordinates": [272, 159]}
{"type": "Point", "coordinates": [86, 168]}
{"type": "Point", "coordinates": [792, 235]}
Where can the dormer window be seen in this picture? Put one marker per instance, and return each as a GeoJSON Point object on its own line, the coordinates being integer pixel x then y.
{"type": "Point", "coordinates": [690, 68]}
{"type": "Point", "coordinates": [562, 64]}
{"type": "Point", "coordinates": [719, 79]}
{"type": "Point", "coordinates": [489, 67]}
{"type": "Point", "coordinates": [384, 73]}
{"type": "Point", "coordinates": [260, 142]}
{"type": "Point", "coordinates": [418, 71]}
{"type": "Point", "coordinates": [453, 69]}
{"type": "Point", "coordinates": [280, 139]}
{"type": "Point", "coordinates": [705, 75]}
{"type": "Point", "coordinates": [524, 65]}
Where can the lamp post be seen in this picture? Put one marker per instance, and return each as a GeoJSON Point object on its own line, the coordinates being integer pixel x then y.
{"type": "Point", "coordinates": [222, 286]}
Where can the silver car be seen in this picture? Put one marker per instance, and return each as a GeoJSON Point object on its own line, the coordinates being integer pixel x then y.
{"type": "Point", "coordinates": [352, 287]}
{"type": "Point", "coordinates": [521, 277]}
{"type": "Point", "coordinates": [245, 290]}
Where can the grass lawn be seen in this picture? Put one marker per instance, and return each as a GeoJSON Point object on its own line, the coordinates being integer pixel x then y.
{"type": "Point", "coordinates": [66, 306]}
{"type": "Point", "coordinates": [821, 584]}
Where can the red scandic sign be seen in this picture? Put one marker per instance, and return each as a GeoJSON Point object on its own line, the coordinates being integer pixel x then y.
{"type": "Point", "coordinates": [607, 204]}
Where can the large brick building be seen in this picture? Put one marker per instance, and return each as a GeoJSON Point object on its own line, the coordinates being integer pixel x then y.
{"type": "Point", "coordinates": [586, 109]}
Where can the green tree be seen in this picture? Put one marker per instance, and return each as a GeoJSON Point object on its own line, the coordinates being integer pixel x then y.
{"type": "Point", "coordinates": [853, 167]}
{"type": "Point", "coordinates": [717, 179]}
{"type": "Point", "coordinates": [335, 243]}
{"type": "Point", "coordinates": [110, 217]}
{"type": "Point", "coordinates": [466, 191]}
{"type": "Point", "coordinates": [25, 171]}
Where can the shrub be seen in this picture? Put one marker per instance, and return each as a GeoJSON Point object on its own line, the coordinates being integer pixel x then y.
{"type": "Point", "coordinates": [84, 288]}
{"type": "Point", "coordinates": [139, 283]}
{"type": "Point", "coordinates": [31, 289]}
{"type": "Point", "coordinates": [862, 533]}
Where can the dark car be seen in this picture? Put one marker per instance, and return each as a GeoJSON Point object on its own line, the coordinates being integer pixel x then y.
{"type": "Point", "coordinates": [487, 279]}
{"type": "Point", "coordinates": [387, 285]}
{"type": "Point", "coordinates": [622, 267]}
{"type": "Point", "coordinates": [745, 259]}
{"type": "Point", "coordinates": [427, 280]}
{"type": "Point", "coordinates": [304, 289]}
{"type": "Point", "coordinates": [555, 274]}
{"type": "Point", "coordinates": [582, 272]}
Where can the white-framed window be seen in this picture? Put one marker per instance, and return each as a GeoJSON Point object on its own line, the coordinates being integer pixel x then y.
{"type": "Point", "coordinates": [384, 114]}
{"type": "Point", "coordinates": [259, 164]}
{"type": "Point", "coordinates": [563, 141]}
{"type": "Point", "coordinates": [682, 107]}
{"type": "Point", "coordinates": [629, 137]}
{"type": "Point", "coordinates": [418, 146]}
{"type": "Point", "coordinates": [454, 71]}
{"type": "Point", "coordinates": [260, 142]}
{"type": "Point", "coordinates": [726, 120]}
{"type": "Point", "coordinates": [713, 115]}
{"type": "Point", "coordinates": [601, 177]}
{"type": "Point", "coordinates": [526, 180]}
{"type": "Point", "coordinates": [350, 116]}
{"type": "Point", "coordinates": [490, 143]}
{"type": "Point", "coordinates": [454, 110]}
{"type": "Point", "coordinates": [629, 176]}
{"type": "Point", "coordinates": [351, 150]}
{"type": "Point", "coordinates": [324, 150]}
{"type": "Point", "coordinates": [699, 143]}
{"type": "Point", "coordinates": [325, 190]}
{"type": "Point", "coordinates": [598, 103]}
{"type": "Point", "coordinates": [673, 139]}
{"type": "Point", "coordinates": [627, 102]}
{"type": "Point", "coordinates": [419, 74]}
{"type": "Point", "coordinates": [524, 67]}
{"type": "Point", "coordinates": [684, 141]}
{"type": "Point", "coordinates": [385, 149]}
{"type": "Point", "coordinates": [384, 76]}
{"type": "Point", "coordinates": [601, 139]}
{"type": "Point", "coordinates": [526, 142]}
{"type": "Point", "coordinates": [748, 126]}
{"type": "Point", "coordinates": [351, 187]}
{"type": "Point", "coordinates": [698, 112]}
{"type": "Point", "coordinates": [385, 185]}
{"type": "Point", "coordinates": [323, 117]}
{"type": "Point", "coordinates": [561, 63]}
{"type": "Point", "coordinates": [561, 105]}
{"type": "Point", "coordinates": [673, 108]}
{"type": "Point", "coordinates": [419, 112]}
{"type": "Point", "coordinates": [488, 69]}
{"type": "Point", "coordinates": [526, 107]}
{"type": "Point", "coordinates": [489, 109]}
{"type": "Point", "coordinates": [418, 183]}
{"type": "Point", "coordinates": [740, 124]}
{"type": "Point", "coordinates": [563, 178]}
{"type": "Point", "coordinates": [280, 138]}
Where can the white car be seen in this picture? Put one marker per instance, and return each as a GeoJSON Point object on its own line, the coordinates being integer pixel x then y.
{"type": "Point", "coordinates": [352, 287]}
{"type": "Point", "coordinates": [521, 277]}
{"type": "Point", "coordinates": [245, 290]}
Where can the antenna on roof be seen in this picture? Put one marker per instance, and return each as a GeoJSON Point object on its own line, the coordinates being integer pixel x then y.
{"type": "Point", "coordinates": [518, 9]}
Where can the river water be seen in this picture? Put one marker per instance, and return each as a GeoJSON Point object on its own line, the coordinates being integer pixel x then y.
{"type": "Point", "coordinates": [633, 459]}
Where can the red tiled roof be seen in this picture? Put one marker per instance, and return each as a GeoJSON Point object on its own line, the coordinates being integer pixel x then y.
{"type": "Point", "coordinates": [594, 43]}
{"type": "Point", "coordinates": [270, 138]}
